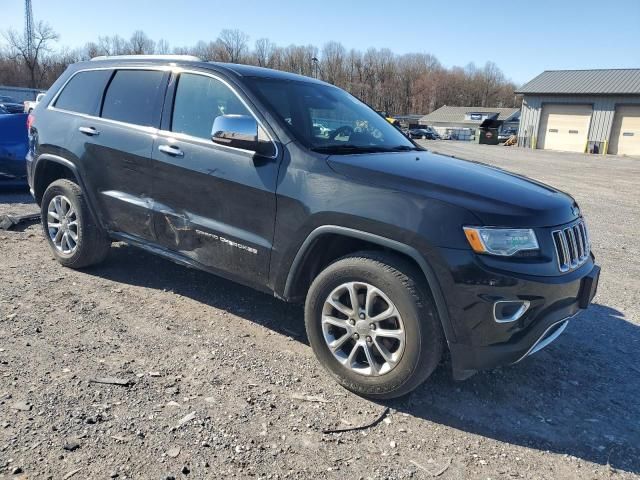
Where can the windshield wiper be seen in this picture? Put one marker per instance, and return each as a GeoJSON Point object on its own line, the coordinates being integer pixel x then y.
{"type": "Point", "coordinates": [403, 148]}
{"type": "Point", "coordinates": [349, 148]}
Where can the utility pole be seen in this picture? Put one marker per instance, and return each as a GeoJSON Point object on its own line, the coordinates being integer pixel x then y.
{"type": "Point", "coordinates": [28, 27]}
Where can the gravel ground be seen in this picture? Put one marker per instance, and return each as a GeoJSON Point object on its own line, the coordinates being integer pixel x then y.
{"type": "Point", "coordinates": [220, 380]}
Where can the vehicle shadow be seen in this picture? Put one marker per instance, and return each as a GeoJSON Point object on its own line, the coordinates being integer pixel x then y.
{"type": "Point", "coordinates": [578, 397]}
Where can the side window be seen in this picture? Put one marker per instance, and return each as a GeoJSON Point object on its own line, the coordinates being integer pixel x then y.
{"type": "Point", "coordinates": [82, 94]}
{"type": "Point", "coordinates": [198, 101]}
{"type": "Point", "coordinates": [133, 96]}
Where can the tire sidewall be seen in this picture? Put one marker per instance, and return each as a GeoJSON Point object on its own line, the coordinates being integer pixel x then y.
{"type": "Point", "coordinates": [62, 187]}
{"type": "Point", "coordinates": [411, 309]}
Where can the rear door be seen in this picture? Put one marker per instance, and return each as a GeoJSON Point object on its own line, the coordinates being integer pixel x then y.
{"type": "Point", "coordinates": [215, 204]}
{"type": "Point", "coordinates": [117, 146]}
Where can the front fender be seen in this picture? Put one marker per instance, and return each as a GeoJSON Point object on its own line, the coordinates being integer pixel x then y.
{"type": "Point", "coordinates": [384, 242]}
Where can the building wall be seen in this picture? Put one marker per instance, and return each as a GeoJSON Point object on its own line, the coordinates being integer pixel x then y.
{"type": "Point", "coordinates": [20, 94]}
{"type": "Point", "coordinates": [604, 108]}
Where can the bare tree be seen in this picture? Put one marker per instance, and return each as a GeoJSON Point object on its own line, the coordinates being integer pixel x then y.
{"type": "Point", "coordinates": [234, 44]}
{"type": "Point", "coordinates": [333, 59]}
{"type": "Point", "coordinates": [397, 84]}
{"type": "Point", "coordinates": [40, 44]}
{"type": "Point", "coordinates": [141, 44]}
{"type": "Point", "coordinates": [162, 47]}
{"type": "Point", "coordinates": [264, 52]}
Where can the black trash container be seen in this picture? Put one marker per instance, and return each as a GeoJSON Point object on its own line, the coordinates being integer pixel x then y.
{"type": "Point", "coordinates": [488, 131]}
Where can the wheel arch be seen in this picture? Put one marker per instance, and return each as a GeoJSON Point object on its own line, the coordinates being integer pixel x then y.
{"type": "Point", "coordinates": [49, 168]}
{"type": "Point", "coordinates": [303, 265]}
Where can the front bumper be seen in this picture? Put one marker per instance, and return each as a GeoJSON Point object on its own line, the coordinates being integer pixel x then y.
{"type": "Point", "coordinates": [471, 291]}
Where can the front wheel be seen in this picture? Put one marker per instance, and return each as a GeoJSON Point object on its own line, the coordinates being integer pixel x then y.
{"type": "Point", "coordinates": [372, 324]}
{"type": "Point", "coordinates": [74, 238]}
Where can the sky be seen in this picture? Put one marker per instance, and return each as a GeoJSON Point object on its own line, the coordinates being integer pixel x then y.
{"type": "Point", "coordinates": [522, 38]}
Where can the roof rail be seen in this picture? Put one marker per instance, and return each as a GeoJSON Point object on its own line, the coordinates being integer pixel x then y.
{"type": "Point", "coordinates": [189, 58]}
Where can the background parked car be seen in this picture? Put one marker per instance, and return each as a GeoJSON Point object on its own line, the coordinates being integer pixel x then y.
{"type": "Point", "coordinates": [11, 105]}
{"type": "Point", "coordinates": [424, 134]}
{"type": "Point", "coordinates": [505, 133]}
{"type": "Point", "coordinates": [29, 105]}
{"type": "Point", "coordinates": [13, 149]}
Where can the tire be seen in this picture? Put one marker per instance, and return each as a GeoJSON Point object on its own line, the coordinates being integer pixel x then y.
{"type": "Point", "coordinates": [424, 137]}
{"type": "Point", "coordinates": [91, 242]}
{"type": "Point", "coordinates": [403, 285]}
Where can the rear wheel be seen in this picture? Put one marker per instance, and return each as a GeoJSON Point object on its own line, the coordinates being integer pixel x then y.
{"type": "Point", "coordinates": [74, 238]}
{"type": "Point", "coordinates": [371, 322]}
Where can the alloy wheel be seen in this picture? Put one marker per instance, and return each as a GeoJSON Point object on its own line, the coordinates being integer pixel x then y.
{"type": "Point", "coordinates": [62, 224]}
{"type": "Point", "coordinates": [363, 329]}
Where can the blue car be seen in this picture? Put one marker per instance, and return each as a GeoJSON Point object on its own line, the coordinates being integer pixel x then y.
{"type": "Point", "coordinates": [13, 149]}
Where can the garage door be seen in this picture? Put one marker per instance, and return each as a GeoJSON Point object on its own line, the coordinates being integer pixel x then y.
{"type": "Point", "coordinates": [564, 127]}
{"type": "Point", "coordinates": [625, 133]}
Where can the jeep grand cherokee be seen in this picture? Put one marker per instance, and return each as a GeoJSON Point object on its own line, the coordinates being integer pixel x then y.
{"type": "Point", "coordinates": [398, 253]}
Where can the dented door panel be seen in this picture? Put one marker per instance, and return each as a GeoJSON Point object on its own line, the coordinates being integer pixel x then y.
{"type": "Point", "coordinates": [117, 164]}
{"type": "Point", "coordinates": [215, 206]}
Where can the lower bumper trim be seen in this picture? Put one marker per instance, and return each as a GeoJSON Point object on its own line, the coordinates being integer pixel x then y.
{"type": "Point", "coordinates": [549, 335]}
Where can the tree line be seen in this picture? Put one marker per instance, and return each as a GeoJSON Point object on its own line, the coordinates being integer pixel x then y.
{"type": "Point", "coordinates": [399, 84]}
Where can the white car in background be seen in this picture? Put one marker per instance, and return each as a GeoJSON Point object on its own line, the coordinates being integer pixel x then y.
{"type": "Point", "coordinates": [29, 105]}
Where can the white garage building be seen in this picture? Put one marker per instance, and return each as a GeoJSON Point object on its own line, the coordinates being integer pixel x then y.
{"type": "Point", "coordinates": [595, 111]}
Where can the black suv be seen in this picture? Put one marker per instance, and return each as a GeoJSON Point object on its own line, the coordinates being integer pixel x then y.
{"type": "Point", "coordinates": [398, 253]}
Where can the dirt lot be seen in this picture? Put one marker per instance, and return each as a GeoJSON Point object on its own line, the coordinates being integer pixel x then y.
{"type": "Point", "coordinates": [222, 383]}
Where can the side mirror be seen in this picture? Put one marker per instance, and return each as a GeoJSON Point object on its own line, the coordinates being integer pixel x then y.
{"type": "Point", "coordinates": [240, 131]}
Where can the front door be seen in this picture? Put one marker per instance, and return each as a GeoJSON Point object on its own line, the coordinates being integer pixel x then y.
{"type": "Point", "coordinates": [214, 204]}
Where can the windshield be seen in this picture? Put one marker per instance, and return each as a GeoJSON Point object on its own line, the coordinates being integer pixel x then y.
{"type": "Point", "coordinates": [327, 119]}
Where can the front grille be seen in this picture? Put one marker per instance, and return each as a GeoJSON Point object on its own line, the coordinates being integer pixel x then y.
{"type": "Point", "coordinates": [572, 246]}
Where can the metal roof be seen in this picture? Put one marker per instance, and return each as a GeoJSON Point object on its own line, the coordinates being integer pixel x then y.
{"type": "Point", "coordinates": [447, 114]}
{"type": "Point", "coordinates": [585, 82]}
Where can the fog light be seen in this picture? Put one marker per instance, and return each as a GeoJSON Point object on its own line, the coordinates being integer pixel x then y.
{"type": "Point", "coordinates": [509, 310]}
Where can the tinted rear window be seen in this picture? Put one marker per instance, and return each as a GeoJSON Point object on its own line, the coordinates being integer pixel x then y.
{"type": "Point", "coordinates": [133, 97]}
{"type": "Point", "coordinates": [83, 92]}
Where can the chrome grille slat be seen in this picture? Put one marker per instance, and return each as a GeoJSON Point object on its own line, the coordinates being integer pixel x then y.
{"type": "Point", "coordinates": [577, 234]}
{"type": "Point", "coordinates": [572, 246]}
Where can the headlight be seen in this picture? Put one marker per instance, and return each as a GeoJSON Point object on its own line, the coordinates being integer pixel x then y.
{"type": "Point", "coordinates": [501, 241]}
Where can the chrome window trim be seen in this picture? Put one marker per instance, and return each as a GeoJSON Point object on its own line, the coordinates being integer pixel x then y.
{"type": "Point", "coordinates": [157, 131]}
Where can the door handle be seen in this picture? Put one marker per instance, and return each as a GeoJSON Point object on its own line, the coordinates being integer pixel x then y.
{"type": "Point", "coordinates": [171, 150]}
{"type": "Point", "coordinates": [91, 131]}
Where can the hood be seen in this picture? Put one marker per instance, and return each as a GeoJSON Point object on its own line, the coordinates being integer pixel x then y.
{"type": "Point", "coordinates": [495, 196]}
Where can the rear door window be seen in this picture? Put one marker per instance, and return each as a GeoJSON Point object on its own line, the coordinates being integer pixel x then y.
{"type": "Point", "coordinates": [134, 96]}
{"type": "Point", "coordinates": [82, 94]}
{"type": "Point", "coordinates": [198, 101]}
